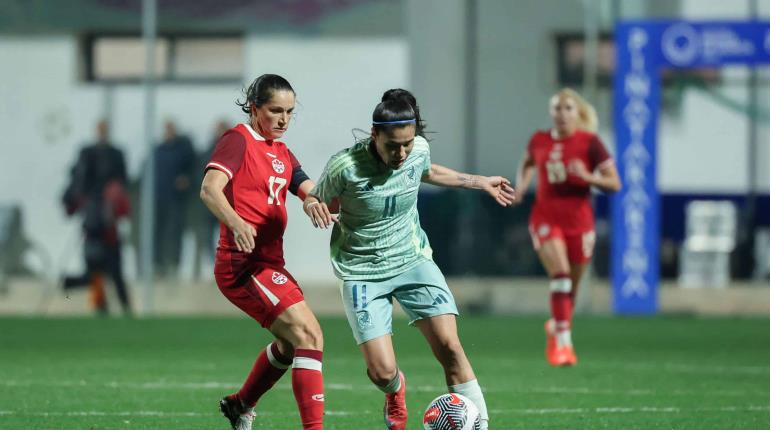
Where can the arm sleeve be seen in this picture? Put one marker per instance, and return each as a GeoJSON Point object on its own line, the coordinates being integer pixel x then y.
{"type": "Point", "coordinates": [598, 155]}
{"type": "Point", "coordinates": [422, 146]}
{"type": "Point", "coordinates": [298, 175]}
{"type": "Point", "coordinates": [228, 154]}
{"type": "Point", "coordinates": [428, 162]}
{"type": "Point", "coordinates": [331, 184]}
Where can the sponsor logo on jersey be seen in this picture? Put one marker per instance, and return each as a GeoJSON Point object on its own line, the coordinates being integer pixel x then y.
{"type": "Point", "coordinates": [368, 187]}
{"type": "Point", "coordinates": [278, 166]}
{"type": "Point", "coordinates": [317, 397]}
{"type": "Point", "coordinates": [270, 155]}
{"type": "Point", "coordinates": [279, 278]}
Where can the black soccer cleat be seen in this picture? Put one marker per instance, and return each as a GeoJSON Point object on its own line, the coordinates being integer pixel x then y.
{"type": "Point", "coordinates": [232, 409]}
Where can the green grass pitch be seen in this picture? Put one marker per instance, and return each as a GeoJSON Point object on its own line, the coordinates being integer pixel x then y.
{"type": "Point", "coordinates": [634, 373]}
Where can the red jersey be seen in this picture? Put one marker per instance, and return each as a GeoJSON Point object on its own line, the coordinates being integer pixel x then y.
{"type": "Point", "coordinates": [562, 198]}
{"type": "Point", "coordinates": [260, 172]}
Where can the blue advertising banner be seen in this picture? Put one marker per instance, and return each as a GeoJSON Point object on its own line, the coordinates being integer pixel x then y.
{"type": "Point", "coordinates": [642, 49]}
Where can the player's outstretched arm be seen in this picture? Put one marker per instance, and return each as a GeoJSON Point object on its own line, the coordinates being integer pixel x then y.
{"type": "Point", "coordinates": [214, 198]}
{"type": "Point", "coordinates": [498, 187]}
{"type": "Point", "coordinates": [524, 175]}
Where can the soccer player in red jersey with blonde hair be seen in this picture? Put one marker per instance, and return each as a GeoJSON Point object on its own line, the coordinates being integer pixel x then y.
{"type": "Point", "coordinates": [245, 188]}
{"type": "Point", "coordinates": [569, 159]}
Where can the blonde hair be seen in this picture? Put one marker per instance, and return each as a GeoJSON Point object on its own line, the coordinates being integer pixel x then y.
{"type": "Point", "coordinates": [589, 121]}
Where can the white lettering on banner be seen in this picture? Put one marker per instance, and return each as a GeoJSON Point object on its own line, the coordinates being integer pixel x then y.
{"type": "Point", "coordinates": [636, 151]}
{"type": "Point", "coordinates": [635, 174]}
{"type": "Point", "coordinates": [635, 286]}
{"type": "Point", "coordinates": [636, 158]}
{"type": "Point", "coordinates": [637, 40]}
{"type": "Point", "coordinates": [637, 115]}
{"type": "Point", "coordinates": [635, 219]}
{"type": "Point", "coordinates": [635, 260]}
{"type": "Point", "coordinates": [636, 198]}
{"type": "Point", "coordinates": [722, 42]}
{"type": "Point", "coordinates": [638, 83]}
{"type": "Point", "coordinates": [635, 239]}
{"type": "Point", "coordinates": [684, 45]}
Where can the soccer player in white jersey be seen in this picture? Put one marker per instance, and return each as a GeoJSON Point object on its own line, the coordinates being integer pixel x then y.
{"type": "Point", "coordinates": [380, 251]}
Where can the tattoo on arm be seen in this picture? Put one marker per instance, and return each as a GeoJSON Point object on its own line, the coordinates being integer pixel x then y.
{"type": "Point", "coordinates": [469, 181]}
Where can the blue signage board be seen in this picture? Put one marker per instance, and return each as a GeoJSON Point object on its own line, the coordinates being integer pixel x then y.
{"type": "Point", "coordinates": [642, 49]}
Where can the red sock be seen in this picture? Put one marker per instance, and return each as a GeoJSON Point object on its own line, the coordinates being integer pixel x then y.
{"type": "Point", "coordinates": [308, 384]}
{"type": "Point", "coordinates": [561, 302]}
{"type": "Point", "coordinates": [267, 370]}
{"type": "Point", "coordinates": [573, 298]}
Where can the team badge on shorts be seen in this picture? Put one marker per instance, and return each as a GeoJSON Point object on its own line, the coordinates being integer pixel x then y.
{"type": "Point", "coordinates": [364, 319]}
{"type": "Point", "coordinates": [278, 166]}
{"type": "Point", "coordinates": [279, 278]}
{"type": "Point", "coordinates": [543, 230]}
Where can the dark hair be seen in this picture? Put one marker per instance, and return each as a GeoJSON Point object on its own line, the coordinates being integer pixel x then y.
{"type": "Point", "coordinates": [261, 90]}
{"type": "Point", "coordinates": [402, 94]}
{"type": "Point", "coordinates": [392, 110]}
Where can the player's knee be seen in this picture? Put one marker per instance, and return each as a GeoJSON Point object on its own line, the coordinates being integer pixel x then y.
{"type": "Point", "coordinates": [382, 374]}
{"type": "Point", "coordinates": [308, 336]}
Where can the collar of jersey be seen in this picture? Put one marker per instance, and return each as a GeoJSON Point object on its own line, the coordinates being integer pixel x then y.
{"type": "Point", "coordinates": [254, 133]}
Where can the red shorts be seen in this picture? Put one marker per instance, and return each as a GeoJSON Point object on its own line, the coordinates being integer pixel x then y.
{"type": "Point", "coordinates": [262, 292]}
{"type": "Point", "coordinates": [580, 246]}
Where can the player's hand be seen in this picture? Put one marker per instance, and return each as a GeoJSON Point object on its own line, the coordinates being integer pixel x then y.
{"type": "Point", "coordinates": [318, 212]}
{"type": "Point", "coordinates": [244, 234]}
{"type": "Point", "coordinates": [517, 199]}
{"type": "Point", "coordinates": [500, 189]}
{"type": "Point", "coordinates": [578, 169]}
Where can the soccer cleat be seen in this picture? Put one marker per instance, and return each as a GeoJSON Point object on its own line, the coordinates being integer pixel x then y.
{"type": "Point", "coordinates": [550, 340]}
{"type": "Point", "coordinates": [570, 357]}
{"type": "Point", "coordinates": [395, 407]}
{"type": "Point", "coordinates": [564, 356]}
{"type": "Point", "coordinates": [240, 418]}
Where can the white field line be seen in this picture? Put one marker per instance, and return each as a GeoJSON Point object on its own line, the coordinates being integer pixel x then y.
{"type": "Point", "coordinates": [531, 411]}
{"type": "Point", "coordinates": [634, 409]}
{"type": "Point", "coordinates": [221, 385]}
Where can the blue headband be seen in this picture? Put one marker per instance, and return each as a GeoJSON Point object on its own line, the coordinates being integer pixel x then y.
{"type": "Point", "coordinates": [403, 121]}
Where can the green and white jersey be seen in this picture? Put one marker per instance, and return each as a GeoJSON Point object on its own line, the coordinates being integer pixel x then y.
{"type": "Point", "coordinates": [379, 234]}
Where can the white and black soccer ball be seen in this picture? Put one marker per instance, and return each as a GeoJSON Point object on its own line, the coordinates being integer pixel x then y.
{"type": "Point", "coordinates": [451, 412]}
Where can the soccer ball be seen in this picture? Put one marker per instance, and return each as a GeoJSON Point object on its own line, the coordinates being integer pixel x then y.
{"type": "Point", "coordinates": [451, 412]}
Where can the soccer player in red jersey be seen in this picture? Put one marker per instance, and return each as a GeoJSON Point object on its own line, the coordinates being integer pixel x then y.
{"type": "Point", "coordinates": [569, 159]}
{"type": "Point", "coordinates": [245, 187]}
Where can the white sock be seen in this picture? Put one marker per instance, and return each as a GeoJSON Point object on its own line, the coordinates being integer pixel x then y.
{"type": "Point", "coordinates": [472, 390]}
{"type": "Point", "coordinates": [563, 338]}
{"type": "Point", "coordinates": [393, 386]}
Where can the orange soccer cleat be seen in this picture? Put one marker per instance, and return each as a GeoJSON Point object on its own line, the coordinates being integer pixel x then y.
{"type": "Point", "coordinates": [563, 356]}
{"type": "Point", "coordinates": [395, 407]}
{"type": "Point", "coordinates": [550, 340]}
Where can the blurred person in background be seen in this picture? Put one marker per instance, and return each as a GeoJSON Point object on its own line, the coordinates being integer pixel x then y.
{"type": "Point", "coordinates": [245, 187]}
{"type": "Point", "coordinates": [569, 159]}
{"type": "Point", "coordinates": [174, 173]}
{"type": "Point", "coordinates": [97, 192]}
{"type": "Point", "coordinates": [380, 251]}
{"type": "Point", "coordinates": [204, 222]}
